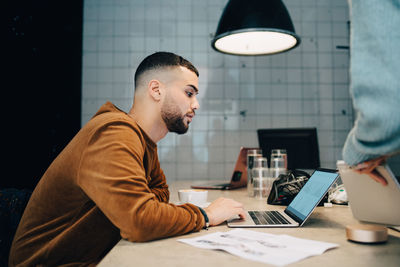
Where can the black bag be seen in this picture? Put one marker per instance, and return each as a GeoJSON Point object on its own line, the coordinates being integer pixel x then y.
{"type": "Point", "coordinates": [287, 186]}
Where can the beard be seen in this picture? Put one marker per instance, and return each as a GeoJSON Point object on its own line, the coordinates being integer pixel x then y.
{"type": "Point", "coordinates": [173, 119]}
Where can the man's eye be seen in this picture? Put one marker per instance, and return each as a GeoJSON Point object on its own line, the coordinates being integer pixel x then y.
{"type": "Point", "coordinates": [189, 94]}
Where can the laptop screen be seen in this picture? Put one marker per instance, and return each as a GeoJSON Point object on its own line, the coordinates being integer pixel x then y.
{"type": "Point", "coordinates": [311, 193]}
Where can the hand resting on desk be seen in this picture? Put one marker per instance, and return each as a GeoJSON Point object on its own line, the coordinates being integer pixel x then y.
{"type": "Point", "coordinates": [223, 209]}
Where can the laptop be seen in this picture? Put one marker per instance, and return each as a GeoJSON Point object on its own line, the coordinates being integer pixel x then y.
{"type": "Point", "coordinates": [298, 210]}
{"type": "Point", "coordinates": [301, 145]}
{"type": "Point", "coordinates": [239, 175]}
{"type": "Point", "coordinates": [371, 201]}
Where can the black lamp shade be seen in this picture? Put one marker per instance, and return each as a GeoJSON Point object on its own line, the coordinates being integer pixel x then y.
{"type": "Point", "coordinates": [255, 27]}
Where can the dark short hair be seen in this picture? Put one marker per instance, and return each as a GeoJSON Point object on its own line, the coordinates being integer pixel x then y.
{"type": "Point", "coordinates": [161, 60]}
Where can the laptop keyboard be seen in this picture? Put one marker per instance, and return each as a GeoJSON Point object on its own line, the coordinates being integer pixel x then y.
{"type": "Point", "coordinates": [268, 217]}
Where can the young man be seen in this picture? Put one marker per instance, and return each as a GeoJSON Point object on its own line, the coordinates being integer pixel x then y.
{"type": "Point", "coordinates": [107, 183]}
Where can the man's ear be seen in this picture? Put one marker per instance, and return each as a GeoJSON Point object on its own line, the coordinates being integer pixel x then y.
{"type": "Point", "coordinates": [154, 89]}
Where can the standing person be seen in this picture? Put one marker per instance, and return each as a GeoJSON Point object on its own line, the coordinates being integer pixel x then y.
{"type": "Point", "coordinates": [375, 84]}
{"type": "Point", "coordinates": [107, 183]}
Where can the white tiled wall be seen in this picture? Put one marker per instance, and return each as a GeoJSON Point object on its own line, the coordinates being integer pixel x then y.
{"type": "Point", "coordinates": [306, 87]}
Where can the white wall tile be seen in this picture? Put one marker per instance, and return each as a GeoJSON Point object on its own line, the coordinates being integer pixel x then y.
{"type": "Point", "coordinates": [305, 87]}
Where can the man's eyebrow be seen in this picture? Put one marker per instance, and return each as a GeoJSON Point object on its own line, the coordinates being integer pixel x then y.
{"type": "Point", "coordinates": [194, 88]}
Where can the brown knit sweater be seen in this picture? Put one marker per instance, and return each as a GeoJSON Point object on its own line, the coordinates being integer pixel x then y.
{"type": "Point", "coordinates": [106, 184]}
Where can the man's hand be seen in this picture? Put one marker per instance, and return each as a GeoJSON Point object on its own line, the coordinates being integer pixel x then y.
{"type": "Point", "coordinates": [369, 167]}
{"type": "Point", "coordinates": [223, 209]}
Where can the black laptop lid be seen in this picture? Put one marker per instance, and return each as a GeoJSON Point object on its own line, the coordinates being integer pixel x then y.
{"type": "Point", "coordinates": [301, 145]}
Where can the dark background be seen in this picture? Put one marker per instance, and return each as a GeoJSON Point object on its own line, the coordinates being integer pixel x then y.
{"type": "Point", "coordinates": [41, 90]}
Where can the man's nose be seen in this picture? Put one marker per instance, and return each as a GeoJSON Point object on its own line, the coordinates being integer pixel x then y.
{"type": "Point", "coordinates": [195, 104]}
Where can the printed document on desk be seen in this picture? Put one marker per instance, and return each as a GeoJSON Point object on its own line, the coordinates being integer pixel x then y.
{"type": "Point", "coordinates": [277, 250]}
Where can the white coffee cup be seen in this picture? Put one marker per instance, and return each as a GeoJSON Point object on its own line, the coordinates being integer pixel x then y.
{"type": "Point", "coordinates": [195, 196]}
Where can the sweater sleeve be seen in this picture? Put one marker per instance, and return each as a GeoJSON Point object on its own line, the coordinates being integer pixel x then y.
{"type": "Point", "coordinates": [375, 83]}
{"type": "Point", "coordinates": [158, 184]}
{"type": "Point", "coordinates": [113, 175]}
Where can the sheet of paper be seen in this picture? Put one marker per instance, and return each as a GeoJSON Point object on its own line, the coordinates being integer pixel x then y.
{"type": "Point", "coordinates": [277, 250]}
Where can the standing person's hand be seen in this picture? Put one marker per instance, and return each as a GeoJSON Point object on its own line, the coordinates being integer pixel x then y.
{"type": "Point", "coordinates": [223, 209]}
{"type": "Point", "coordinates": [369, 167]}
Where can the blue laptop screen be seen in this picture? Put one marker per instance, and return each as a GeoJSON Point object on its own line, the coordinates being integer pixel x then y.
{"type": "Point", "coordinates": [311, 193]}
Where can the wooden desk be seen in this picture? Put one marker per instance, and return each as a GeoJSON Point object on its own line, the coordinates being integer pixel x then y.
{"type": "Point", "coordinates": [325, 224]}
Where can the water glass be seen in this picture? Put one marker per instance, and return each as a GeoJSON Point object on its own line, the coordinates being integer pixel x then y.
{"type": "Point", "coordinates": [261, 177]}
{"type": "Point", "coordinates": [252, 154]}
{"type": "Point", "coordinates": [278, 167]}
{"type": "Point", "coordinates": [279, 153]}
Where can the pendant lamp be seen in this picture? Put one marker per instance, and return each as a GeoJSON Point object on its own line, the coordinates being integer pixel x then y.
{"type": "Point", "coordinates": [255, 27]}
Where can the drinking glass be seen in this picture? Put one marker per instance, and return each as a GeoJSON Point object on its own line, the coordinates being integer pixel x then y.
{"type": "Point", "coordinates": [262, 180]}
{"type": "Point", "coordinates": [278, 167]}
{"type": "Point", "coordinates": [252, 154]}
{"type": "Point", "coordinates": [279, 153]}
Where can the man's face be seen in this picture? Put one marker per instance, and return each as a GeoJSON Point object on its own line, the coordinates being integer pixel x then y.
{"type": "Point", "coordinates": [180, 102]}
